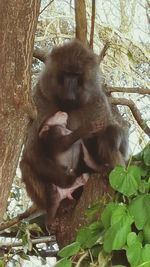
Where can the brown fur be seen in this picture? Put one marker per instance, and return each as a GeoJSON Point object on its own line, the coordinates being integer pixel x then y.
{"type": "Point", "coordinates": [70, 82]}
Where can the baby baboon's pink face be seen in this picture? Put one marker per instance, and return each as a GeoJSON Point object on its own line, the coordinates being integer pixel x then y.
{"type": "Point", "coordinates": [59, 118]}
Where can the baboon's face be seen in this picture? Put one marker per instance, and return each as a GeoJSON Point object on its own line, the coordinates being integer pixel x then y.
{"type": "Point", "coordinates": [71, 75]}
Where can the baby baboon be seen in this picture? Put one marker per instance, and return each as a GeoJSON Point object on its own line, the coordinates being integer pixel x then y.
{"type": "Point", "coordinates": [70, 160]}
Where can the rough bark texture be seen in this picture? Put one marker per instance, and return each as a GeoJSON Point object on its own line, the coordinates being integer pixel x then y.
{"type": "Point", "coordinates": [17, 28]}
{"type": "Point", "coordinates": [81, 22]}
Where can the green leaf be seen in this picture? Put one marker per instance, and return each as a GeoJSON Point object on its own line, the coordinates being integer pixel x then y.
{"type": "Point", "coordinates": [136, 254]}
{"type": "Point", "coordinates": [140, 236]}
{"type": "Point", "coordinates": [23, 255]}
{"type": "Point", "coordinates": [96, 227]}
{"type": "Point", "coordinates": [140, 210]}
{"type": "Point", "coordinates": [134, 249]}
{"type": "Point", "coordinates": [92, 211]}
{"type": "Point", "coordinates": [125, 181]}
{"type": "Point", "coordinates": [82, 236]}
{"type": "Point", "coordinates": [144, 187]}
{"type": "Point", "coordinates": [146, 254]}
{"type": "Point", "coordinates": [146, 156]}
{"type": "Point", "coordinates": [146, 232]}
{"type": "Point", "coordinates": [107, 213]}
{"type": "Point", "coordinates": [69, 250]}
{"type": "Point", "coordinates": [119, 213]}
{"type": "Point", "coordinates": [116, 236]}
{"type": "Point", "coordinates": [88, 236]}
{"type": "Point", "coordinates": [144, 170]}
{"type": "Point", "coordinates": [144, 264]}
{"type": "Point", "coordinates": [132, 239]}
{"type": "Point", "coordinates": [64, 263]}
{"type": "Point", "coordinates": [26, 241]}
{"type": "Point", "coordinates": [35, 228]}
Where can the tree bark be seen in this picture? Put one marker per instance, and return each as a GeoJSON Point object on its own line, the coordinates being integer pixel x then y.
{"type": "Point", "coordinates": [17, 28]}
{"type": "Point", "coordinates": [81, 22]}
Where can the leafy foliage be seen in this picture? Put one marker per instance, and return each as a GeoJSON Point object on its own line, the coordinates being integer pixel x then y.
{"type": "Point", "coordinates": [125, 181]}
{"type": "Point", "coordinates": [64, 262]}
{"type": "Point", "coordinates": [70, 250]}
{"type": "Point", "coordinates": [23, 236]}
{"type": "Point", "coordinates": [123, 225]}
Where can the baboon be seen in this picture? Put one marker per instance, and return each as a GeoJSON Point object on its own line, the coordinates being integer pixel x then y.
{"type": "Point", "coordinates": [71, 82]}
{"type": "Point", "coordinates": [50, 134]}
{"type": "Point", "coordinates": [70, 160]}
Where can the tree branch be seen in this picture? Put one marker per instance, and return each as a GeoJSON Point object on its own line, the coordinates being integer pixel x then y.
{"type": "Point", "coordinates": [46, 6]}
{"type": "Point", "coordinates": [147, 11]}
{"type": "Point", "coordinates": [103, 53]}
{"type": "Point", "coordinates": [40, 54]}
{"type": "Point", "coordinates": [18, 218]}
{"type": "Point", "coordinates": [40, 240]}
{"type": "Point", "coordinates": [136, 113]}
{"type": "Point", "coordinates": [136, 90]}
{"type": "Point", "coordinates": [81, 22]}
{"type": "Point", "coordinates": [92, 24]}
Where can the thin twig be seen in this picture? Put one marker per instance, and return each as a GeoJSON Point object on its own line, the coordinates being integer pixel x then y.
{"type": "Point", "coordinates": [44, 239]}
{"type": "Point", "coordinates": [46, 7]}
{"type": "Point", "coordinates": [147, 11]}
{"type": "Point", "coordinates": [18, 218]}
{"type": "Point", "coordinates": [103, 53]}
{"type": "Point", "coordinates": [92, 24]}
{"type": "Point", "coordinates": [81, 259]}
{"type": "Point", "coordinates": [136, 113]}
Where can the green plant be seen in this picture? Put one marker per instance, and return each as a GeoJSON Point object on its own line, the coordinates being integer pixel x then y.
{"type": "Point", "coordinates": [124, 224]}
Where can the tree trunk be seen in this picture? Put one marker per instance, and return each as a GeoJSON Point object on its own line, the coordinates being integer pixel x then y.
{"type": "Point", "coordinates": [17, 28]}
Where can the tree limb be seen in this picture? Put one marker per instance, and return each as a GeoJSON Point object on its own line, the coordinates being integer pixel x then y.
{"type": "Point", "coordinates": [46, 6]}
{"type": "Point", "coordinates": [18, 218]}
{"type": "Point", "coordinates": [147, 11]}
{"type": "Point", "coordinates": [44, 239]}
{"type": "Point", "coordinates": [40, 54]}
{"type": "Point", "coordinates": [92, 24]}
{"type": "Point", "coordinates": [136, 113]}
{"type": "Point", "coordinates": [103, 53]}
{"type": "Point", "coordinates": [81, 22]}
{"type": "Point", "coordinates": [136, 90]}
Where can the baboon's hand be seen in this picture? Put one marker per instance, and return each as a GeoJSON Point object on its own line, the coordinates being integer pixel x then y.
{"type": "Point", "coordinates": [96, 126]}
